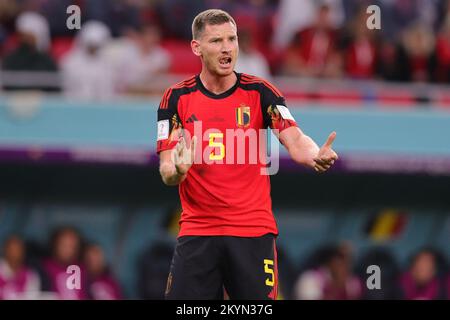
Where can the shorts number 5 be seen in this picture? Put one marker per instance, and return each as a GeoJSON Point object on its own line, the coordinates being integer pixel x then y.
{"type": "Point", "coordinates": [268, 268]}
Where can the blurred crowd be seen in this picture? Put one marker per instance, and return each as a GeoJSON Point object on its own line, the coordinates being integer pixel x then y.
{"type": "Point", "coordinates": [124, 46]}
{"type": "Point", "coordinates": [29, 273]}
{"type": "Point", "coordinates": [329, 273]}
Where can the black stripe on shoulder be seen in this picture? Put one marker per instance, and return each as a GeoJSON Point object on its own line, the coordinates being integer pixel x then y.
{"type": "Point", "coordinates": [180, 91]}
{"type": "Point", "coordinates": [248, 79]}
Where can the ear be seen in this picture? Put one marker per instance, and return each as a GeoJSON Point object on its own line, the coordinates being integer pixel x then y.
{"type": "Point", "coordinates": [195, 46]}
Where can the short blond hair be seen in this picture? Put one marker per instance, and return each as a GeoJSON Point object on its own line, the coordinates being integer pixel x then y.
{"type": "Point", "coordinates": [211, 17]}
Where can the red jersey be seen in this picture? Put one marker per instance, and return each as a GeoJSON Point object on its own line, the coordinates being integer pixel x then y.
{"type": "Point", "coordinates": [225, 192]}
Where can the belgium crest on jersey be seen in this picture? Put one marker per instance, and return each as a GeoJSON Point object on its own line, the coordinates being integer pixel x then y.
{"type": "Point", "coordinates": [243, 116]}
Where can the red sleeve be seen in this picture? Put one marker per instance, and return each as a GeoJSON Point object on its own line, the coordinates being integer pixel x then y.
{"type": "Point", "coordinates": [169, 125]}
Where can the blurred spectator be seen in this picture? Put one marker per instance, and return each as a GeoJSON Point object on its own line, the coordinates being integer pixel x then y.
{"type": "Point", "coordinates": [443, 53]}
{"type": "Point", "coordinates": [142, 59]}
{"type": "Point", "coordinates": [65, 246]}
{"type": "Point", "coordinates": [360, 53]}
{"type": "Point", "coordinates": [416, 56]}
{"type": "Point", "coordinates": [343, 285]}
{"type": "Point", "coordinates": [421, 281]}
{"type": "Point", "coordinates": [387, 66]}
{"type": "Point", "coordinates": [294, 16]}
{"type": "Point", "coordinates": [17, 281]}
{"type": "Point", "coordinates": [31, 53]}
{"type": "Point", "coordinates": [313, 52]}
{"type": "Point", "coordinates": [153, 269]}
{"type": "Point", "coordinates": [101, 283]}
{"type": "Point", "coordinates": [387, 263]}
{"type": "Point", "coordinates": [332, 280]}
{"type": "Point", "coordinates": [8, 11]}
{"type": "Point", "coordinates": [87, 73]}
{"type": "Point", "coordinates": [250, 60]}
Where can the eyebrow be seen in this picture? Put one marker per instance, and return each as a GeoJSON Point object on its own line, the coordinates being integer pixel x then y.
{"type": "Point", "coordinates": [220, 38]}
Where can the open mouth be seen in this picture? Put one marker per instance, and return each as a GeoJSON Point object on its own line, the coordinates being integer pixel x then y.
{"type": "Point", "coordinates": [225, 61]}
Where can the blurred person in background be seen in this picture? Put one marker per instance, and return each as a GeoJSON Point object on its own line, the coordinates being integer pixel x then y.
{"type": "Point", "coordinates": [250, 60]}
{"type": "Point", "coordinates": [421, 281]}
{"type": "Point", "coordinates": [87, 72]}
{"type": "Point", "coordinates": [387, 66]}
{"type": "Point", "coordinates": [360, 53]}
{"type": "Point", "coordinates": [385, 259]}
{"type": "Point", "coordinates": [17, 280]}
{"type": "Point", "coordinates": [332, 280]}
{"type": "Point", "coordinates": [416, 56]}
{"type": "Point", "coordinates": [8, 12]}
{"type": "Point", "coordinates": [31, 53]}
{"type": "Point", "coordinates": [313, 52]}
{"type": "Point", "coordinates": [294, 16]}
{"type": "Point", "coordinates": [102, 285]}
{"type": "Point", "coordinates": [65, 244]}
{"type": "Point", "coordinates": [443, 52]}
{"type": "Point", "coordinates": [143, 60]}
{"type": "Point", "coordinates": [343, 284]}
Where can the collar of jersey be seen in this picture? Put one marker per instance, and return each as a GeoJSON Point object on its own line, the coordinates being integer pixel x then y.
{"type": "Point", "coordinates": [225, 94]}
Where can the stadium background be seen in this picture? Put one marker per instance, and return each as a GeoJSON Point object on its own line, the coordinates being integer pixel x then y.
{"type": "Point", "coordinates": [86, 158]}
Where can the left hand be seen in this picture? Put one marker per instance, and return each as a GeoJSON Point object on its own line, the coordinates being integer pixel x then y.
{"type": "Point", "coordinates": [326, 156]}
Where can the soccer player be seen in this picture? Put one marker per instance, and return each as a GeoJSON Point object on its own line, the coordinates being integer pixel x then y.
{"type": "Point", "coordinates": [227, 228]}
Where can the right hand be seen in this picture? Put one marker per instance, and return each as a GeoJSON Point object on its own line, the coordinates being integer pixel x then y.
{"type": "Point", "coordinates": [183, 157]}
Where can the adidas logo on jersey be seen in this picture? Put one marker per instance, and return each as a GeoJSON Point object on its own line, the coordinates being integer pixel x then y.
{"type": "Point", "coordinates": [191, 119]}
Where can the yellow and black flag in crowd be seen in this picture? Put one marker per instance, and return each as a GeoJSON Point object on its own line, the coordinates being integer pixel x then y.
{"type": "Point", "coordinates": [387, 224]}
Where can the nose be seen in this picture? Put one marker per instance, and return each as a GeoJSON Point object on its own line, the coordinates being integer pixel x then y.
{"type": "Point", "coordinates": [226, 47]}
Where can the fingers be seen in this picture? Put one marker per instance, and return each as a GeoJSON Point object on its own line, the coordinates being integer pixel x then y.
{"type": "Point", "coordinates": [181, 145]}
{"type": "Point", "coordinates": [193, 144]}
{"type": "Point", "coordinates": [324, 161]}
{"type": "Point", "coordinates": [330, 139]}
{"type": "Point", "coordinates": [323, 164]}
{"type": "Point", "coordinates": [176, 157]}
{"type": "Point", "coordinates": [183, 155]}
{"type": "Point", "coordinates": [193, 148]}
{"type": "Point", "coordinates": [321, 168]}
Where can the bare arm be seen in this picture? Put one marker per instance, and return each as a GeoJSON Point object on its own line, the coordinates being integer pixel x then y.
{"type": "Point", "coordinates": [174, 164]}
{"type": "Point", "coordinates": [167, 169]}
{"type": "Point", "coordinates": [303, 150]}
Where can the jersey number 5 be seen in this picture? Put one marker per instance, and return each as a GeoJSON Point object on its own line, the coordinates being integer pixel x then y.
{"type": "Point", "coordinates": [216, 144]}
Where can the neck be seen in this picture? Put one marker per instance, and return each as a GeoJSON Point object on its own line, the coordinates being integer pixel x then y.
{"type": "Point", "coordinates": [217, 84]}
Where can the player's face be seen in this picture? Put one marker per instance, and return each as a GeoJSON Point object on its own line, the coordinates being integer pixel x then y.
{"type": "Point", "coordinates": [218, 48]}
